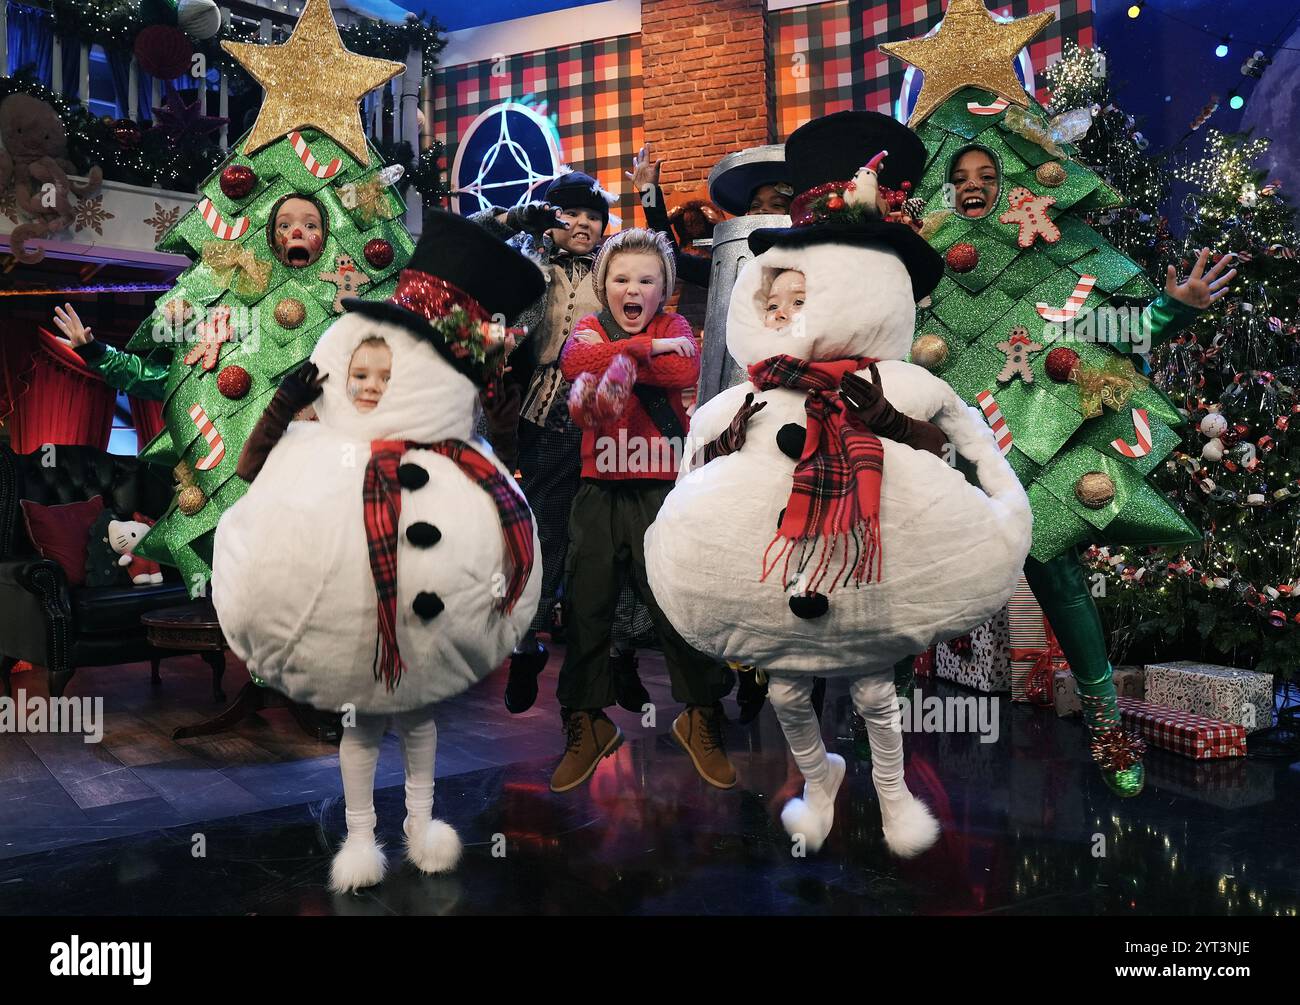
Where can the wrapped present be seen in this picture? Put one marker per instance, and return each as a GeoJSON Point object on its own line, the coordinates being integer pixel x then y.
{"type": "Point", "coordinates": [1065, 695]}
{"type": "Point", "coordinates": [1035, 653]}
{"type": "Point", "coordinates": [1231, 785]}
{"type": "Point", "coordinates": [924, 664]}
{"type": "Point", "coordinates": [1240, 696]}
{"type": "Point", "coordinates": [1194, 736]}
{"type": "Point", "coordinates": [980, 660]}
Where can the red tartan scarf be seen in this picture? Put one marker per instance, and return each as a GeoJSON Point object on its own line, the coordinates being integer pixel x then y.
{"type": "Point", "coordinates": [834, 499]}
{"type": "Point", "coordinates": [381, 495]}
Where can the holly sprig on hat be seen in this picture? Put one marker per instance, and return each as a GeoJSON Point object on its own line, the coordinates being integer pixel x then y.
{"type": "Point", "coordinates": [482, 342]}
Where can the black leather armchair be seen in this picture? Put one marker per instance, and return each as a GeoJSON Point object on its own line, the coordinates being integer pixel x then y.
{"type": "Point", "coordinates": [42, 618]}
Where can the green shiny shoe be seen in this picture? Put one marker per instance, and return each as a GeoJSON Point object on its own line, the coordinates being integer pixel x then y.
{"type": "Point", "coordinates": [1126, 783]}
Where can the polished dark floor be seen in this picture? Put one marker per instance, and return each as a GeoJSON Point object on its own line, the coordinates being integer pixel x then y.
{"type": "Point", "coordinates": [1028, 829]}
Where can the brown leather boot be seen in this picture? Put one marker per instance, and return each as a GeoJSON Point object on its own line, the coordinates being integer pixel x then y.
{"type": "Point", "coordinates": [698, 731]}
{"type": "Point", "coordinates": [588, 736]}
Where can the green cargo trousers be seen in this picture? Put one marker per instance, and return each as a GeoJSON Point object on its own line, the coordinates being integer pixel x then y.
{"type": "Point", "coordinates": [606, 537]}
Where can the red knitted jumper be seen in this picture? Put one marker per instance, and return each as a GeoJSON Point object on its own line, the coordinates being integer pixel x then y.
{"type": "Point", "coordinates": [633, 446]}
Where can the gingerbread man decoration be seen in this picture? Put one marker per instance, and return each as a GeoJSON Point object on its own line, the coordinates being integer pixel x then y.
{"type": "Point", "coordinates": [347, 277]}
{"type": "Point", "coordinates": [212, 335]}
{"type": "Point", "coordinates": [1030, 212]}
{"type": "Point", "coordinates": [1018, 348]}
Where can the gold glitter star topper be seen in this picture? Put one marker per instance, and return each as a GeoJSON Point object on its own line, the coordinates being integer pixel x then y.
{"type": "Point", "coordinates": [971, 49]}
{"type": "Point", "coordinates": [312, 80]}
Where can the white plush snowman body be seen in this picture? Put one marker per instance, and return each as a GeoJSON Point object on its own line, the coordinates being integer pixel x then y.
{"type": "Point", "coordinates": [292, 582]}
{"type": "Point", "coordinates": [951, 551]}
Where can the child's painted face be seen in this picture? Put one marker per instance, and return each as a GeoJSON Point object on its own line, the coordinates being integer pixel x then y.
{"type": "Point", "coordinates": [299, 237]}
{"type": "Point", "coordinates": [785, 299]}
{"type": "Point", "coordinates": [634, 288]}
{"type": "Point", "coordinates": [368, 374]}
{"type": "Point", "coordinates": [975, 179]}
{"type": "Point", "coordinates": [769, 200]}
{"type": "Point", "coordinates": [585, 228]}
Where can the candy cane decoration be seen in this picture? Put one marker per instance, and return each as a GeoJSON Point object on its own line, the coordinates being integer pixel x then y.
{"type": "Point", "coordinates": [1071, 309]}
{"type": "Point", "coordinates": [1142, 426]}
{"type": "Point", "coordinates": [998, 105]}
{"type": "Point", "coordinates": [309, 162]}
{"type": "Point", "coordinates": [1001, 430]}
{"type": "Point", "coordinates": [216, 445]}
{"type": "Point", "coordinates": [224, 231]}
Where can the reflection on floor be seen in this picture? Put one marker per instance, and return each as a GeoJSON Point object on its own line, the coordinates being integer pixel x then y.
{"type": "Point", "coordinates": [1028, 826]}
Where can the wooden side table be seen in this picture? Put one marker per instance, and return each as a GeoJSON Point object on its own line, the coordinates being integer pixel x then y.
{"type": "Point", "coordinates": [195, 628]}
{"type": "Point", "coordinates": [191, 628]}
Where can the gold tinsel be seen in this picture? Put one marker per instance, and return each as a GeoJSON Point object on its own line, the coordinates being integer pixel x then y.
{"type": "Point", "coordinates": [237, 266]}
{"type": "Point", "coordinates": [1112, 384]}
{"type": "Point", "coordinates": [312, 80]}
{"type": "Point", "coordinates": [970, 50]}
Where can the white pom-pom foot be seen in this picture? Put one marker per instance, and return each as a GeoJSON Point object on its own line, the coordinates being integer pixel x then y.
{"type": "Point", "coordinates": [910, 827]}
{"type": "Point", "coordinates": [359, 863]}
{"type": "Point", "coordinates": [813, 816]}
{"type": "Point", "coordinates": [433, 848]}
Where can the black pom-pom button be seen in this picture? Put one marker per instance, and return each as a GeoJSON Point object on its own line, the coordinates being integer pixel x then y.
{"type": "Point", "coordinates": [790, 439]}
{"type": "Point", "coordinates": [809, 605]}
{"type": "Point", "coordinates": [427, 605]}
{"type": "Point", "coordinates": [412, 476]}
{"type": "Point", "coordinates": [423, 535]}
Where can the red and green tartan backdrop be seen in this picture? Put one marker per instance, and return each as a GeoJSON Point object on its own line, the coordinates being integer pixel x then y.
{"type": "Point", "coordinates": [825, 58]}
{"type": "Point", "coordinates": [594, 89]}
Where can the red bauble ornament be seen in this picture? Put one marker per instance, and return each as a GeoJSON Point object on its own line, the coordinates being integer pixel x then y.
{"type": "Point", "coordinates": [234, 381]}
{"type": "Point", "coordinates": [163, 51]}
{"type": "Point", "coordinates": [835, 203]}
{"type": "Point", "coordinates": [962, 257]}
{"type": "Point", "coordinates": [1060, 364]}
{"type": "Point", "coordinates": [379, 253]}
{"type": "Point", "coordinates": [126, 133]}
{"type": "Point", "coordinates": [237, 181]}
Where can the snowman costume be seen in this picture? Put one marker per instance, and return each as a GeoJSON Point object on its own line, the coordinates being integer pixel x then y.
{"type": "Point", "coordinates": [941, 555]}
{"type": "Point", "coordinates": [295, 581]}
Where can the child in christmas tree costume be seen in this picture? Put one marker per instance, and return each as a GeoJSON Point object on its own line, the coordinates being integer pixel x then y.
{"type": "Point", "coordinates": [821, 532]}
{"type": "Point", "coordinates": [297, 230]}
{"type": "Point", "coordinates": [628, 365]}
{"type": "Point", "coordinates": [381, 561]}
{"type": "Point", "coordinates": [1084, 473]}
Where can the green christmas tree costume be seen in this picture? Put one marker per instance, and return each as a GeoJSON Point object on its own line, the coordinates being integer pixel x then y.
{"type": "Point", "coordinates": [1030, 271]}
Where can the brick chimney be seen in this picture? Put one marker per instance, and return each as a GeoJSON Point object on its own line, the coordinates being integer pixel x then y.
{"type": "Point", "coordinates": [704, 64]}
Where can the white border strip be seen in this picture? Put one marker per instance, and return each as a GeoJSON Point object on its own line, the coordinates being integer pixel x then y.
{"type": "Point", "coordinates": [788, 4]}
{"type": "Point", "coordinates": [542, 31]}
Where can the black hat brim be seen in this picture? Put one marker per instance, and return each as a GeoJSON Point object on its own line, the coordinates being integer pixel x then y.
{"type": "Point", "coordinates": [414, 324]}
{"type": "Point", "coordinates": [734, 189]}
{"type": "Point", "coordinates": [922, 262]}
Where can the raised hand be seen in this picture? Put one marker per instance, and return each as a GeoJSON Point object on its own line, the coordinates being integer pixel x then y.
{"type": "Point", "coordinates": [1201, 288]}
{"type": "Point", "coordinates": [303, 386]}
{"type": "Point", "coordinates": [859, 395]}
{"type": "Point", "coordinates": [645, 172]}
{"type": "Point", "coordinates": [682, 345]}
{"type": "Point", "coordinates": [65, 318]}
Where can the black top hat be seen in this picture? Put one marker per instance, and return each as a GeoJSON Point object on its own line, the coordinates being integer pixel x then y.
{"type": "Point", "coordinates": [832, 149]}
{"type": "Point", "coordinates": [488, 276]}
{"type": "Point", "coordinates": [734, 179]}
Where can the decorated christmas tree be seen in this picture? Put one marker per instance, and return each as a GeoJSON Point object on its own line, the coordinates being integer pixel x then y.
{"type": "Point", "coordinates": [1236, 374]}
{"type": "Point", "coordinates": [1036, 311]}
{"type": "Point", "coordinates": [256, 300]}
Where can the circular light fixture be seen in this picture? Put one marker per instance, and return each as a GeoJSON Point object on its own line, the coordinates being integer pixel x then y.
{"type": "Point", "coordinates": [1135, 9]}
{"type": "Point", "coordinates": [1237, 101]}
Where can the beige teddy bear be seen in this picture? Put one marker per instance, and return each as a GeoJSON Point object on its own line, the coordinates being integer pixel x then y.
{"type": "Point", "coordinates": [35, 161]}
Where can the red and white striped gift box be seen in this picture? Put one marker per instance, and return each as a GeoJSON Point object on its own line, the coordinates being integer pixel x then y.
{"type": "Point", "coordinates": [1035, 653]}
{"type": "Point", "coordinates": [1185, 733]}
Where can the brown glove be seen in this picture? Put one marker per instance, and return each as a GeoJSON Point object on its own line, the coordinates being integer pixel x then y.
{"type": "Point", "coordinates": [297, 391]}
{"type": "Point", "coordinates": [868, 402]}
{"type": "Point", "coordinates": [501, 402]}
{"type": "Point", "coordinates": [732, 438]}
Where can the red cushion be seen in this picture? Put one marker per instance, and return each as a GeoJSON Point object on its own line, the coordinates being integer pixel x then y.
{"type": "Point", "coordinates": [62, 532]}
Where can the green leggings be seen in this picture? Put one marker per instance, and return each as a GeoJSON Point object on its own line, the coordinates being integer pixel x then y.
{"type": "Point", "coordinates": [1062, 591]}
